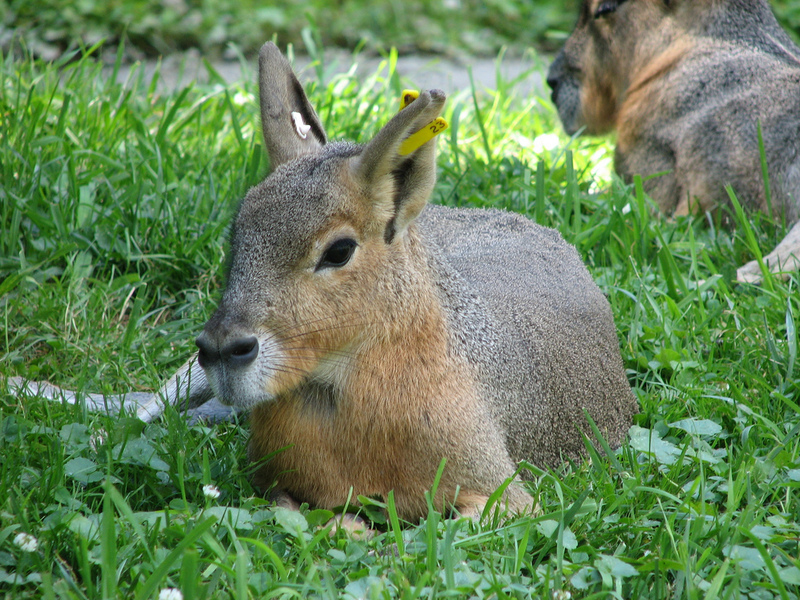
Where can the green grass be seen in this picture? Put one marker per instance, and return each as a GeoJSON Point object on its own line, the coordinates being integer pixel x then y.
{"type": "Point", "coordinates": [152, 27]}
{"type": "Point", "coordinates": [115, 203]}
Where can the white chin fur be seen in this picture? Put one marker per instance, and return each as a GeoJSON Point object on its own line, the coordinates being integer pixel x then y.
{"type": "Point", "coordinates": [244, 388]}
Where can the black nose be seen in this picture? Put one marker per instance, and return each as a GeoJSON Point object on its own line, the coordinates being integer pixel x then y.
{"type": "Point", "coordinates": [556, 72]}
{"type": "Point", "coordinates": [207, 351]}
{"type": "Point", "coordinates": [241, 352]}
{"type": "Point", "coordinates": [236, 353]}
{"type": "Point", "coordinates": [555, 83]}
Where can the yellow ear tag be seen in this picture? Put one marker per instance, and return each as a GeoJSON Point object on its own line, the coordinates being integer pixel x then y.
{"type": "Point", "coordinates": [424, 135]}
{"type": "Point", "coordinates": [408, 97]}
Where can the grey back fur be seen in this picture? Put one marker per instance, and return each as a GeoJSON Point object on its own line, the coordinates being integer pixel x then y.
{"type": "Point", "coordinates": [535, 325]}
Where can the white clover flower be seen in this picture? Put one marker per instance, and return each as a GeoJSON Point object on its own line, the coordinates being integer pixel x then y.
{"type": "Point", "coordinates": [98, 439]}
{"type": "Point", "coordinates": [241, 98]}
{"type": "Point", "coordinates": [170, 594]}
{"type": "Point", "coordinates": [562, 595]}
{"type": "Point", "coordinates": [211, 491]}
{"type": "Point", "coordinates": [26, 542]}
{"type": "Point", "coordinates": [545, 143]}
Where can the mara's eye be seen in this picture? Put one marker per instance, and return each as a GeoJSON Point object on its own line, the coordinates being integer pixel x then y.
{"type": "Point", "coordinates": [338, 254]}
{"type": "Point", "coordinates": [606, 8]}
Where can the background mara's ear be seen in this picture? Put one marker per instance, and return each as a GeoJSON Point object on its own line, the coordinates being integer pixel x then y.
{"type": "Point", "coordinates": [289, 123]}
{"type": "Point", "coordinates": [382, 165]}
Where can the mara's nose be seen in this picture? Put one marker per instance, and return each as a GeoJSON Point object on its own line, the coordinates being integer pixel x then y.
{"type": "Point", "coordinates": [555, 73]}
{"type": "Point", "coordinates": [552, 82]}
{"type": "Point", "coordinates": [238, 352]}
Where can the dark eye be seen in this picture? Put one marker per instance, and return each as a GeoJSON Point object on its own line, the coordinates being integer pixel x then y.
{"type": "Point", "coordinates": [338, 254]}
{"type": "Point", "coordinates": [606, 8]}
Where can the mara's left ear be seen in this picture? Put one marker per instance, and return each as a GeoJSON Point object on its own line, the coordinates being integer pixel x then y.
{"type": "Point", "coordinates": [401, 159]}
{"type": "Point", "coordinates": [290, 126]}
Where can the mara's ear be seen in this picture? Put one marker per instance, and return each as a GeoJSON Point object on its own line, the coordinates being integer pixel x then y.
{"type": "Point", "coordinates": [407, 171]}
{"type": "Point", "coordinates": [291, 127]}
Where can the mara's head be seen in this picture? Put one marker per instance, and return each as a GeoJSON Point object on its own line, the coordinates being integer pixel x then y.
{"type": "Point", "coordinates": [320, 249]}
{"type": "Point", "coordinates": [612, 46]}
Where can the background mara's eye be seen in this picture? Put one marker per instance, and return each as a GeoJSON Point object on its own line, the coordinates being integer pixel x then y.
{"type": "Point", "coordinates": [338, 254]}
{"type": "Point", "coordinates": [606, 8]}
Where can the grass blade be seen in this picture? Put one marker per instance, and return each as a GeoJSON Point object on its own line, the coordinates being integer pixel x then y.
{"type": "Point", "coordinates": [157, 576]}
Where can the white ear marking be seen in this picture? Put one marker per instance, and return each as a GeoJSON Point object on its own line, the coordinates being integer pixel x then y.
{"type": "Point", "coordinates": [300, 125]}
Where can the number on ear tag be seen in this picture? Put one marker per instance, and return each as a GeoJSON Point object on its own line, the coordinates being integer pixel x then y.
{"type": "Point", "coordinates": [424, 135]}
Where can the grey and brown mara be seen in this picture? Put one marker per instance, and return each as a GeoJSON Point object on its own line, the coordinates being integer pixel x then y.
{"type": "Point", "coordinates": [686, 84]}
{"type": "Point", "coordinates": [372, 336]}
